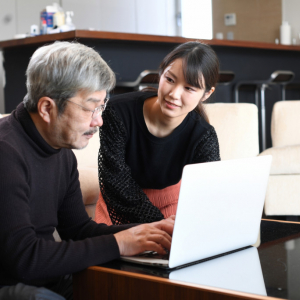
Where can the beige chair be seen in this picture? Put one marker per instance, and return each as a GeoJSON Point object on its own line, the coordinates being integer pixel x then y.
{"type": "Point", "coordinates": [236, 125]}
{"type": "Point", "coordinates": [87, 161]}
{"type": "Point", "coordinates": [283, 194]}
{"type": "Point", "coordinates": [3, 115]}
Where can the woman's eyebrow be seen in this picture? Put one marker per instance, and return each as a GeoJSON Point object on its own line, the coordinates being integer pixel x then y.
{"type": "Point", "coordinates": [172, 74]}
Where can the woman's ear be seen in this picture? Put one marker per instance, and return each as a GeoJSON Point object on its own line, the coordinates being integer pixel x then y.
{"type": "Point", "coordinates": [208, 94]}
{"type": "Point", "coordinates": [46, 107]}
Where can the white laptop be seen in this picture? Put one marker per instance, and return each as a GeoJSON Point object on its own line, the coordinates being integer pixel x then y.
{"type": "Point", "coordinates": [219, 210]}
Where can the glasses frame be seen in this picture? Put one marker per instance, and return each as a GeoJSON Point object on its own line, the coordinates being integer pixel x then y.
{"type": "Point", "coordinates": [97, 111]}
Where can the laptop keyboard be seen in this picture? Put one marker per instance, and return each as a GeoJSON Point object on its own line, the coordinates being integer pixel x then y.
{"type": "Point", "coordinates": [153, 254]}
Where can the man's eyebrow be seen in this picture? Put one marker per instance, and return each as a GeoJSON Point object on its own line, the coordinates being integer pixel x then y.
{"type": "Point", "coordinates": [94, 100]}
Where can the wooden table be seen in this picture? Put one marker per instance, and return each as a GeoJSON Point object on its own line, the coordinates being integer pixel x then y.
{"type": "Point", "coordinates": [106, 282]}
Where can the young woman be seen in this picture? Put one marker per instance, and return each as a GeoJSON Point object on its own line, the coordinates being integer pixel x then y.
{"type": "Point", "coordinates": [148, 137]}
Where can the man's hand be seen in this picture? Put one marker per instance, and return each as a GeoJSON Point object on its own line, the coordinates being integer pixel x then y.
{"type": "Point", "coordinates": [166, 225]}
{"type": "Point", "coordinates": [153, 237]}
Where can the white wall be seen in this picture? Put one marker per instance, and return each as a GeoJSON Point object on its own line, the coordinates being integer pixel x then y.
{"type": "Point", "coordinates": [28, 13]}
{"type": "Point", "coordinates": [196, 19]}
{"type": "Point", "coordinates": [291, 13]}
{"type": "Point", "coordinates": [7, 31]}
{"type": "Point", "coordinates": [131, 16]}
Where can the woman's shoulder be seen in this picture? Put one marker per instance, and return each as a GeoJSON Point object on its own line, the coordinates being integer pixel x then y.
{"type": "Point", "coordinates": [125, 109]}
{"type": "Point", "coordinates": [199, 122]}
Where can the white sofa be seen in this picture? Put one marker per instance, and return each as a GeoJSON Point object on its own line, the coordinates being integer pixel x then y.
{"type": "Point", "coordinates": [236, 125]}
{"type": "Point", "coordinates": [87, 161]}
{"type": "Point", "coordinates": [283, 193]}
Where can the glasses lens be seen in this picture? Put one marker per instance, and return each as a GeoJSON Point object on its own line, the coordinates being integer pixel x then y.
{"type": "Point", "coordinates": [98, 111]}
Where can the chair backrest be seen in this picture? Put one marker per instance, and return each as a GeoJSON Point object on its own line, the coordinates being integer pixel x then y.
{"type": "Point", "coordinates": [88, 157]}
{"type": "Point", "coordinates": [4, 115]}
{"type": "Point", "coordinates": [87, 160]}
{"type": "Point", "coordinates": [236, 125]}
{"type": "Point", "coordinates": [285, 123]}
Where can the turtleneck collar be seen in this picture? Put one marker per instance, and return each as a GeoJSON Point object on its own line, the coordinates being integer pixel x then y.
{"type": "Point", "coordinates": [24, 118]}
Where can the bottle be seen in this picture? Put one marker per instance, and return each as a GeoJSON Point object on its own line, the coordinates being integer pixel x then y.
{"type": "Point", "coordinates": [47, 15]}
{"type": "Point", "coordinates": [285, 33]}
{"type": "Point", "coordinates": [69, 24]}
{"type": "Point", "coordinates": [58, 17]}
{"type": "Point", "coordinates": [44, 27]}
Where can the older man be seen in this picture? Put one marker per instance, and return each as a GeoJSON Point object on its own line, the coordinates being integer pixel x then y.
{"type": "Point", "coordinates": [67, 86]}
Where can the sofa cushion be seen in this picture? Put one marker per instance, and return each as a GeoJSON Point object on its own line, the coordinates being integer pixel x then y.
{"type": "Point", "coordinates": [89, 185]}
{"type": "Point", "coordinates": [286, 160]}
{"type": "Point", "coordinates": [285, 123]}
{"type": "Point", "coordinates": [236, 125]}
{"type": "Point", "coordinates": [3, 115]}
{"type": "Point", "coordinates": [282, 197]}
{"type": "Point", "coordinates": [88, 157]}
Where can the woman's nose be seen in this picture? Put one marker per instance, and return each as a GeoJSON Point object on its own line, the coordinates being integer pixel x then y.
{"type": "Point", "coordinates": [176, 92]}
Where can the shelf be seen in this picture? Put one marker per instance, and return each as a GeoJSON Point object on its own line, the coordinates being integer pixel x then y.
{"type": "Point", "coordinates": [105, 35]}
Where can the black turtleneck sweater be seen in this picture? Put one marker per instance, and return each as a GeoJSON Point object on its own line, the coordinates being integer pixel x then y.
{"type": "Point", "coordinates": [40, 191]}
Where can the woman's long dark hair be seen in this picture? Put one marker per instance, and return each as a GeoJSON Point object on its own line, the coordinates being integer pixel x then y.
{"type": "Point", "coordinates": [199, 62]}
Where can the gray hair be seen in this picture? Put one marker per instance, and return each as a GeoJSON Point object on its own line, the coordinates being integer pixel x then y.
{"type": "Point", "coordinates": [62, 69]}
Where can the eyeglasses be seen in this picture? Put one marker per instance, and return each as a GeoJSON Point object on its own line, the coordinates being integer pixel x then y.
{"type": "Point", "coordinates": [97, 111]}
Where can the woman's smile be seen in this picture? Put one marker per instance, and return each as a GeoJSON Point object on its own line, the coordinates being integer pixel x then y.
{"type": "Point", "coordinates": [171, 105]}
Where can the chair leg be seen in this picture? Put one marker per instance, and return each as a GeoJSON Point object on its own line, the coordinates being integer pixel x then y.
{"type": "Point", "coordinates": [283, 92]}
{"type": "Point", "coordinates": [263, 116]}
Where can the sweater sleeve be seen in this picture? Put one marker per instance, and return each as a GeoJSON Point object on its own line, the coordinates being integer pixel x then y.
{"type": "Point", "coordinates": [207, 148]}
{"type": "Point", "coordinates": [126, 202]}
{"type": "Point", "coordinates": [26, 256]}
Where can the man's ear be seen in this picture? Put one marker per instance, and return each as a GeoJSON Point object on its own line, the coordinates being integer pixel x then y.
{"type": "Point", "coordinates": [207, 94]}
{"type": "Point", "coordinates": [46, 108]}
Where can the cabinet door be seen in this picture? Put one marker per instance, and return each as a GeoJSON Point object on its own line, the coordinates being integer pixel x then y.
{"type": "Point", "coordinates": [7, 19]}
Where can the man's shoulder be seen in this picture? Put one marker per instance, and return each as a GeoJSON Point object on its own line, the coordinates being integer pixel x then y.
{"type": "Point", "coordinates": [9, 130]}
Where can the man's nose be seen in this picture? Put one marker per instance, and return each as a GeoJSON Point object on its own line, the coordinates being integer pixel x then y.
{"type": "Point", "coordinates": [98, 121]}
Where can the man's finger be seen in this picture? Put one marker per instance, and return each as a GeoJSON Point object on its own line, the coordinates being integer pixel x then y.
{"type": "Point", "coordinates": [166, 226]}
{"type": "Point", "coordinates": [152, 246]}
{"type": "Point", "coordinates": [163, 233]}
{"type": "Point", "coordinates": [160, 240]}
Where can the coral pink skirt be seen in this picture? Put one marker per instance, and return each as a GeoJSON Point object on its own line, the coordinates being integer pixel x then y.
{"type": "Point", "coordinates": [165, 200]}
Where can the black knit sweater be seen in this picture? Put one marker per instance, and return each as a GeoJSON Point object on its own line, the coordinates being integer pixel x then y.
{"type": "Point", "coordinates": [39, 190]}
{"type": "Point", "coordinates": [131, 158]}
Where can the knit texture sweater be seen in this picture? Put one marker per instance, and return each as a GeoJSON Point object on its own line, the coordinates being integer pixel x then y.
{"type": "Point", "coordinates": [132, 159]}
{"type": "Point", "coordinates": [40, 191]}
